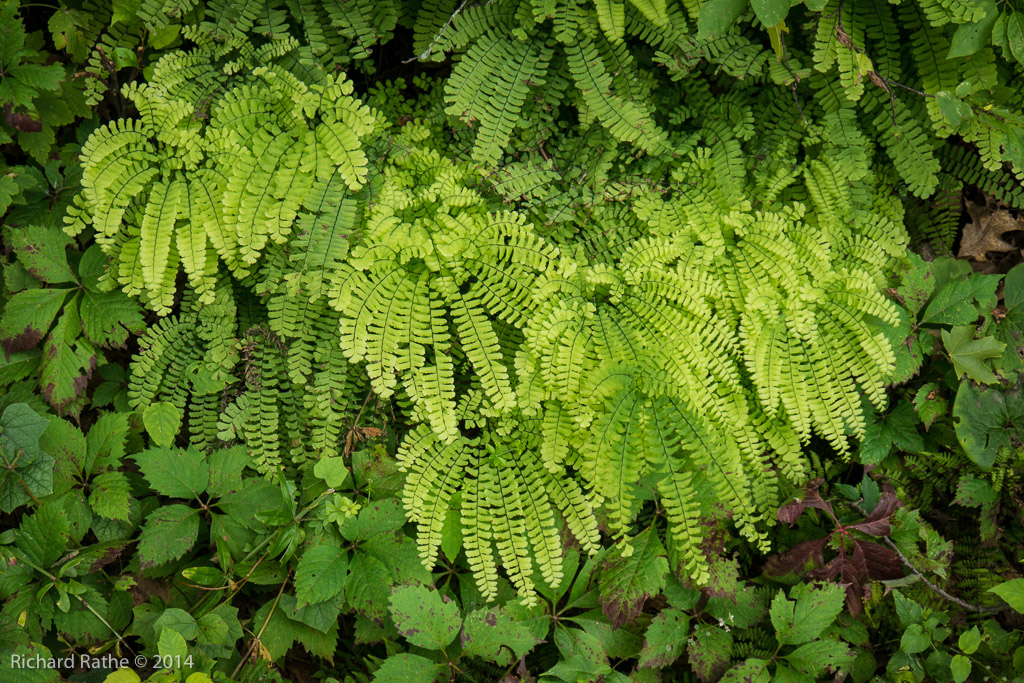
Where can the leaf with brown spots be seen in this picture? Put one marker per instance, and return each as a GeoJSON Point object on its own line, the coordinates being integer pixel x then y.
{"type": "Point", "coordinates": [492, 633]}
{"type": "Point", "coordinates": [42, 251]}
{"type": "Point", "coordinates": [984, 234]}
{"type": "Point", "coordinates": [67, 364]}
{"type": "Point", "coordinates": [424, 617]}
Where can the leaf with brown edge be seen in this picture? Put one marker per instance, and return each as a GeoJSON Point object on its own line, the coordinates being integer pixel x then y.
{"type": "Point", "coordinates": [810, 498]}
{"type": "Point", "coordinates": [28, 316]}
{"type": "Point", "coordinates": [794, 560]}
{"type": "Point", "coordinates": [68, 362]}
{"type": "Point", "coordinates": [630, 575]}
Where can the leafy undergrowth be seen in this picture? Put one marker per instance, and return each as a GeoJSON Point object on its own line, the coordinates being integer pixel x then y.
{"type": "Point", "coordinates": [412, 341]}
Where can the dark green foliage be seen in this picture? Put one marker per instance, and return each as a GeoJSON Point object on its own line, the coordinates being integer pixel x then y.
{"type": "Point", "coordinates": [516, 340]}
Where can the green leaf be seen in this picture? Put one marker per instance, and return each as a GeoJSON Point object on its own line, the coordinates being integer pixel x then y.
{"type": "Point", "coordinates": [226, 467]}
{"type": "Point", "coordinates": [423, 617]}
{"type": "Point", "coordinates": [110, 495]}
{"type": "Point", "coordinates": [171, 644]}
{"type": "Point", "coordinates": [898, 428]}
{"type": "Point", "coordinates": [1015, 35]}
{"type": "Point", "coordinates": [333, 471]}
{"type": "Point", "coordinates": [163, 422]}
{"type": "Point", "coordinates": [954, 109]}
{"type": "Point", "coordinates": [630, 574]}
{"type": "Point", "coordinates": [970, 640]}
{"type": "Point", "coordinates": [492, 634]}
{"type": "Point", "coordinates": [985, 421]}
{"type": "Point", "coordinates": [960, 667]}
{"type": "Point", "coordinates": [22, 463]}
{"type": "Point", "coordinates": [169, 533]}
{"type": "Point", "coordinates": [43, 535]}
{"type": "Point", "coordinates": [109, 317]}
{"type": "Point", "coordinates": [665, 639]}
{"type": "Point", "coordinates": [770, 12]}
{"type": "Point", "coordinates": [407, 668]}
{"type": "Point", "coordinates": [969, 355]}
{"type": "Point", "coordinates": [281, 631]}
{"type": "Point", "coordinates": [813, 658]}
{"type": "Point", "coordinates": [752, 670]}
{"type": "Point", "coordinates": [974, 492]}
{"type": "Point", "coordinates": [969, 38]}
{"type": "Point", "coordinates": [28, 316]}
{"type": "Point", "coordinates": [174, 472]}
{"type": "Point", "coordinates": [1012, 592]}
{"type": "Point", "coordinates": [718, 16]}
{"type": "Point", "coordinates": [812, 612]}
{"type": "Point", "coordinates": [320, 575]}
{"type": "Point", "coordinates": [42, 250]}
{"type": "Point", "coordinates": [709, 652]}
{"type": "Point", "coordinates": [915, 639]}
{"type": "Point", "coordinates": [930, 404]}
{"type": "Point", "coordinates": [961, 300]}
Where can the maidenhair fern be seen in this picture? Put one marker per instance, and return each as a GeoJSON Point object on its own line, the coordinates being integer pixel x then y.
{"type": "Point", "coordinates": [578, 275]}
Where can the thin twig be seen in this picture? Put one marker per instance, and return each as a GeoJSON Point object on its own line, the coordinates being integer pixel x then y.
{"type": "Point", "coordinates": [430, 48]}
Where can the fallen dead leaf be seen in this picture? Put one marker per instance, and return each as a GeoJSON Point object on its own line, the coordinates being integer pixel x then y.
{"type": "Point", "coordinates": [984, 234]}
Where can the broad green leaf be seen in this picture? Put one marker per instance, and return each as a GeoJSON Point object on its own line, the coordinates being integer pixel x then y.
{"type": "Point", "coordinates": [171, 644]}
{"type": "Point", "coordinates": [109, 317]}
{"type": "Point", "coordinates": [178, 620]}
{"type": "Point", "coordinates": [42, 251]}
{"type": "Point", "coordinates": [897, 429]}
{"type": "Point", "coordinates": [753, 670]}
{"type": "Point", "coordinates": [321, 574]}
{"type": "Point", "coordinates": [985, 421]}
{"type": "Point", "coordinates": [1012, 592]}
{"type": "Point", "coordinates": [1015, 35]}
{"type": "Point", "coordinates": [163, 422]}
{"type": "Point", "coordinates": [424, 617]}
{"type": "Point", "coordinates": [970, 640]}
{"type": "Point", "coordinates": [813, 658]}
{"type": "Point", "coordinates": [960, 667]}
{"type": "Point", "coordinates": [665, 639]}
{"type": "Point", "coordinates": [718, 16]}
{"type": "Point", "coordinates": [969, 354]}
{"type": "Point", "coordinates": [226, 466]}
{"type": "Point", "coordinates": [908, 610]}
{"type": "Point", "coordinates": [961, 300]}
{"type": "Point", "coordinates": [174, 472]}
{"type": "Point", "coordinates": [368, 586]}
{"type": "Point", "coordinates": [333, 471]}
{"type": "Point", "coordinates": [169, 533]}
{"type": "Point", "coordinates": [67, 365]}
{"type": "Point", "coordinates": [709, 651]}
{"type": "Point", "coordinates": [23, 464]}
{"type": "Point", "coordinates": [953, 108]}
{"type": "Point", "coordinates": [282, 632]}
{"type": "Point", "coordinates": [630, 574]}
{"type": "Point", "coordinates": [490, 633]}
{"type": "Point", "coordinates": [811, 612]}
{"type": "Point", "coordinates": [43, 535]}
{"type": "Point", "coordinates": [915, 639]}
{"type": "Point", "coordinates": [28, 316]}
{"type": "Point", "coordinates": [970, 38]}
{"type": "Point", "coordinates": [122, 676]}
{"type": "Point", "coordinates": [407, 668]}
{"type": "Point", "coordinates": [974, 492]}
{"type": "Point", "coordinates": [930, 404]}
{"type": "Point", "coordinates": [770, 12]}
{"type": "Point", "coordinates": [110, 495]}
{"type": "Point", "coordinates": [377, 517]}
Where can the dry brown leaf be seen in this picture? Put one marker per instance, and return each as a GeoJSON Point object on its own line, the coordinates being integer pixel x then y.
{"type": "Point", "coordinates": [984, 234]}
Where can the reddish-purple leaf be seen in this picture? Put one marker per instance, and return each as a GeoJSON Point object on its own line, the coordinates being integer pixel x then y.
{"type": "Point", "coordinates": [810, 498]}
{"type": "Point", "coordinates": [794, 560]}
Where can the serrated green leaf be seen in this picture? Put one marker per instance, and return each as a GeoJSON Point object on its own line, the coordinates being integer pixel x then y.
{"type": "Point", "coordinates": [168, 534]}
{"type": "Point", "coordinates": [163, 422]}
{"type": "Point", "coordinates": [969, 354]}
{"type": "Point", "coordinates": [407, 668]}
{"type": "Point", "coordinates": [808, 614]}
{"type": "Point", "coordinates": [709, 651]}
{"type": "Point", "coordinates": [1015, 35]}
{"type": "Point", "coordinates": [174, 472]}
{"type": "Point", "coordinates": [109, 317]}
{"type": "Point", "coordinates": [930, 404]}
{"type": "Point", "coordinates": [753, 670]}
{"type": "Point", "coordinates": [813, 658]}
{"type": "Point", "coordinates": [665, 639]}
{"type": "Point", "coordinates": [110, 495]}
{"type": "Point", "coordinates": [43, 535]}
{"type": "Point", "coordinates": [897, 429]}
{"type": "Point", "coordinates": [492, 634]}
{"type": "Point", "coordinates": [42, 250]}
{"type": "Point", "coordinates": [1012, 592]}
{"type": "Point", "coordinates": [630, 574]}
{"type": "Point", "coordinates": [424, 617]}
{"type": "Point", "coordinates": [28, 316]}
{"type": "Point", "coordinates": [320, 575]}
{"type": "Point", "coordinates": [961, 300]}
{"type": "Point", "coordinates": [974, 492]}
{"type": "Point", "coordinates": [22, 461]}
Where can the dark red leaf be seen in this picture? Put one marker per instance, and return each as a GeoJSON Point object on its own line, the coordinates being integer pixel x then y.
{"type": "Point", "coordinates": [881, 563]}
{"type": "Point", "coordinates": [794, 560]}
{"type": "Point", "coordinates": [810, 498]}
